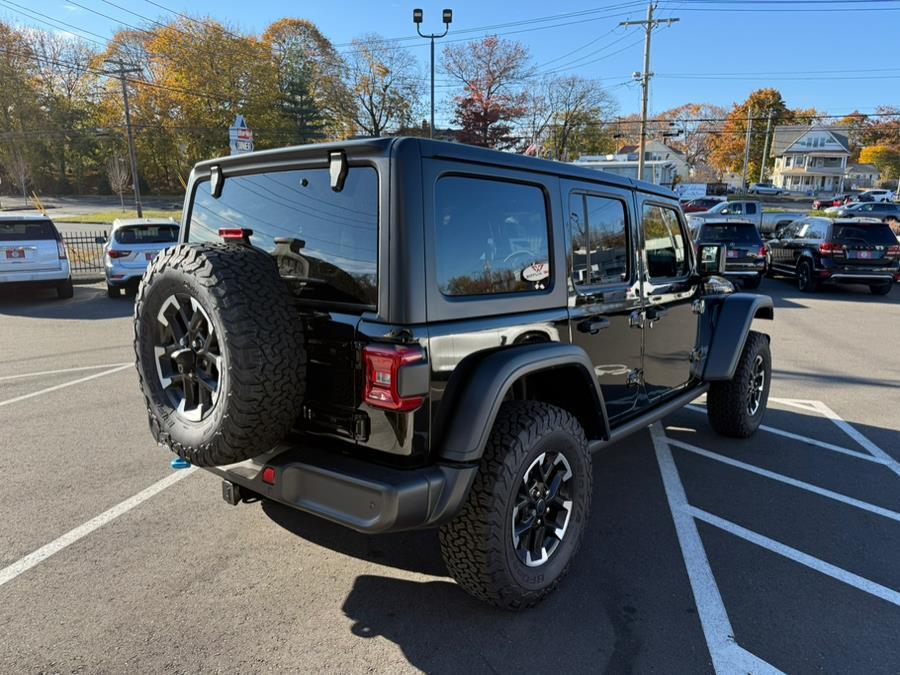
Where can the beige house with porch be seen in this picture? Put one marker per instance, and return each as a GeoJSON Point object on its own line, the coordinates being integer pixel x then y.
{"type": "Point", "coordinates": [810, 158]}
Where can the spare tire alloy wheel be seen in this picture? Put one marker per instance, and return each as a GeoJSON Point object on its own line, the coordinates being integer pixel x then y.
{"type": "Point", "coordinates": [189, 362]}
{"type": "Point", "coordinates": [543, 508]}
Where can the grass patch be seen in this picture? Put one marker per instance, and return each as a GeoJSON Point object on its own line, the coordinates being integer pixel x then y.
{"type": "Point", "coordinates": [107, 217]}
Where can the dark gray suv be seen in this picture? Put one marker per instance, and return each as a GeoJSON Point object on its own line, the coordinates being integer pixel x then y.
{"type": "Point", "coordinates": [399, 333]}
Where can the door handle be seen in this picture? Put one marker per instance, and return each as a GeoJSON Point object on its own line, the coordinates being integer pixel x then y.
{"type": "Point", "coordinates": [594, 325]}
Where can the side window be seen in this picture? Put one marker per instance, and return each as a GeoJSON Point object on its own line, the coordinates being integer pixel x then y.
{"type": "Point", "coordinates": [733, 209]}
{"type": "Point", "coordinates": [816, 231]}
{"type": "Point", "coordinates": [751, 209]}
{"type": "Point", "coordinates": [599, 240]}
{"type": "Point", "coordinates": [490, 237]}
{"type": "Point", "coordinates": [664, 243]}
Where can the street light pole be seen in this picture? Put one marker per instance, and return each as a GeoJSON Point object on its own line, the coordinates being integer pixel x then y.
{"type": "Point", "coordinates": [417, 19]}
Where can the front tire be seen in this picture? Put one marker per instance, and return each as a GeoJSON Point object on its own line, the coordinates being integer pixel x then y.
{"type": "Point", "coordinates": [735, 408]}
{"type": "Point", "coordinates": [523, 520]}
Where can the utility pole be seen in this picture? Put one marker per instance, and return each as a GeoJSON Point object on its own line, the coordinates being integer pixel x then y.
{"type": "Point", "coordinates": [762, 168]}
{"type": "Point", "coordinates": [122, 72]}
{"type": "Point", "coordinates": [447, 16]}
{"type": "Point", "coordinates": [649, 24]}
{"type": "Point", "coordinates": [747, 148]}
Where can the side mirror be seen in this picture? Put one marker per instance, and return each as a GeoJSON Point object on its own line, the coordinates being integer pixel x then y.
{"type": "Point", "coordinates": [710, 259]}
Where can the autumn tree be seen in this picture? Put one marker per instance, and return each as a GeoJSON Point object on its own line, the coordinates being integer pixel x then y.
{"type": "Point", "coordinates": [492, 72]}
{"type": "Point", "coordinates": [384, 85]}
{"type": "Point", "coordinates": [576, 105]}
{"type": "Point", "coordinates": [694, 125]}
{"type": "Point", "coordinates": [886, 159]}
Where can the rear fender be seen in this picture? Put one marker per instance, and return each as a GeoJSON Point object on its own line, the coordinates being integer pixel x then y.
{"type": "Point", "coordinates": [731, 317]}
{"type": "Point", "coordinates": [560, 374]}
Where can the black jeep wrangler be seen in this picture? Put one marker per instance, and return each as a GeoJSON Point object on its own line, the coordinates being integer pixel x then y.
{"type": "Point", "coordinates": [401, 333]}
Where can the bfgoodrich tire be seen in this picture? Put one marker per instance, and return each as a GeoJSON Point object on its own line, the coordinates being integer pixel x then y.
{"type": "Point", "coordinates": [736, 407]}
{"type": "Point", "coordinates": [219, 352]}
{"type": "Point", "coordinates": [524, 518]}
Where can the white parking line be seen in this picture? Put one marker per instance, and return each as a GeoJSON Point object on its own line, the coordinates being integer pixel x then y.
{"type": "Point", "coordinates": [805, 559]}
{"type": "Point", "coordinates": [807, 440]}
{"type": "Point", "coordinates": [61, 371]}
{"type": "Point", "coordinates": [877, 452]}
{"type": "Point", "coordinates": [9, 573]}
{"type": "Point", "coordinates": [64, 385]}
{"type": "Point", "coordinates": [793, 482]}
{"type": "Point", "coordinates": [727, 655]}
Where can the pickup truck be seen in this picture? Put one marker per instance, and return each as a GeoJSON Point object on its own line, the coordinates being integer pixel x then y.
{"type": "Point", "coordinates": [747, 210]}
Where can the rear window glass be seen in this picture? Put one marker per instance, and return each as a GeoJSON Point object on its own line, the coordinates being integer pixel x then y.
{"type": "Point", "coordinates": [731, 232]}
{"type": "Point", "coordinates": [324, 242]}
{"type": "Point", "coordinates": [491, 237]}
{"type": "Point", "coordinates": [25, 230]}
{"type": "Point", "coordinates": [876, 234]}
{"type": "Point", "coordinates": [146, 234]}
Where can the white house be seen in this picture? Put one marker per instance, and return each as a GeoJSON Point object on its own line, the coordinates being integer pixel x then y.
{"type": "Point", "coordinates": [662, 164]}
{"type": "Point", "coordinates": [861, 176]}
{"type": "Point", "coordinates": [810, 158]}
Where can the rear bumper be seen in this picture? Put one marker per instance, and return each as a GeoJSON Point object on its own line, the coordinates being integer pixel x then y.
{"type": "Point", "coordinates": [48, 277]}
{"type": "Point", "coordinates": [119, 275]}
{"type": "Point", "coordinates": [360, 495]}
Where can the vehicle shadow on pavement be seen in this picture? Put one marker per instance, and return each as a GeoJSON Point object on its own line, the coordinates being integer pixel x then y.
{"type": "Point", "coordinates": [90, 303]}
{"type": "Point", "coordinates": [785, 294]}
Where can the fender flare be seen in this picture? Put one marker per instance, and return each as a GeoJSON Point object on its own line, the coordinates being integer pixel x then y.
{"type": "Point", "coordinates": [732, 325]}
{"type": "Point", "coordinates": [481, 381]}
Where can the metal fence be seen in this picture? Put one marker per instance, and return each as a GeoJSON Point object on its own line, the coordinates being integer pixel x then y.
{"type": "Point", "coordinates": [85, 254]}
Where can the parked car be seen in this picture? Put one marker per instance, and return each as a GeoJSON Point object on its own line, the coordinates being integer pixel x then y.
{"type": "Point", "coordinates": [131, 245]}
{"type": "Point", "coordinates": [817, 250]}
{"type": "Point", "coordinates": [764, 189]}
{"type": "Point", "coordinates": [32, 252]}
{"type": "Point", "coordinates": [827, 202]}
{"type": "Point", "coordinates": [700, 204]}
{"type": "Point", "coordinates": [744, 210]}
{"type": "Point", "coordinates": [746, 252]}
{"type": "Point", "coordinates": [876, 195]}
{"type": "Point", "coordinates": [397, 339]}
{"type": "Point", "coordinates": [880, 210]}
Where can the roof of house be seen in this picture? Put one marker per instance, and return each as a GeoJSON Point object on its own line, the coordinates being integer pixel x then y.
{"type": "Point", "coordinates": [862, 168]}
{"type": "Point", "coordinates": [787, 134]}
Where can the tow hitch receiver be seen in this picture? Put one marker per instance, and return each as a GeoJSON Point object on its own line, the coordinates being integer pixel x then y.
{"type": "Point", "coordinates": [231, 493]}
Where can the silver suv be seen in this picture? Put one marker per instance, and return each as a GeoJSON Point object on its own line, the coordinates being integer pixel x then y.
{"type": "Point", "coordinates": [132, 244]}
{"type": "Point", "coordinates": [32, 252]}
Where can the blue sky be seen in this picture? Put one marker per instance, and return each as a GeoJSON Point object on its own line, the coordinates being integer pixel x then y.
{"type": "Point", "coordinates": [835, 61]}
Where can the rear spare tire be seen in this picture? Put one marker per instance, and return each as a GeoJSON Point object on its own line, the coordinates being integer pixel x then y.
{"type": "Point", "coordinates": [219, 352]}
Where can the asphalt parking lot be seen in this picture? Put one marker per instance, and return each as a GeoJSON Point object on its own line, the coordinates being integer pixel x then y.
{"type": "Point", "coordinates": [703, 554]}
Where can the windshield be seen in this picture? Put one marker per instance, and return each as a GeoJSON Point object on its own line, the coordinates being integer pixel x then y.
{"type": "Point", "coordinates": [324, 242]}
{"type": "Point", "coordinates": [739, 233]}
{"type": "Point", "coordinates": [27, 230]}
{"type": "Point", "coordinates": [146, 234]}
{"type": "Point", "coordinates": [875, 234]}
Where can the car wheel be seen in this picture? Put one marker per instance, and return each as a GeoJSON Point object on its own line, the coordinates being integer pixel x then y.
{"type": "Point", "coordinates": [735, 408]}
{"type": "Point", "coordinates": [219, 352]}
{"type": "Point", "coordinates": [806, 281]}
{"type": "Point", "coordinates": [113, 291]}
{"type": "Point", "coordinates": [523, 520]}
{"type": "Point", "coordinates": [752, 283]}
{"type": "Point", "coordinates": [65, 290]}
{"type": "Point", "coordinates": [882, 289]}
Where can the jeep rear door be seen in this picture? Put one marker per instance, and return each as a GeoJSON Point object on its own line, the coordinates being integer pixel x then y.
{"type": "Point", "coordinates": [604, 295]}
{"type": "Point", "coordinates": [669, 291]}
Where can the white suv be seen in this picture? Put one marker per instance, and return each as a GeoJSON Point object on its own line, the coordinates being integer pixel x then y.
{"type": "Point", "coordinates": [131, 245]}
{"type": "Point", "coordinates": [32, 252]}
{"type": "Point", "coordinates": [876, 195]}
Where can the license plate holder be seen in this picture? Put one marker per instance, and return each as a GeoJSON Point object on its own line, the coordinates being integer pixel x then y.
{"type": "Point", "coordinates": [15, 254]}
{"type": "Point", "coordinates": [861, 255]}
{"type": "Point", "coordinates": [732, 254]}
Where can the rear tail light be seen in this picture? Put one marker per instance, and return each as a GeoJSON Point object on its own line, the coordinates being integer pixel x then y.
{"type": "Point", "coordinates": [113, 253]}
{"type": "Point", "coordinates": [61, 249]}
{"type": "Point", "coordinates": [384, 367]}
{"type": "Point", "coordinates": [893, 251]}
{"type": "Point", "coordinates": [763, 251]}
{"type": "Point", "coordinates": [828, 249]}
{"type": "Point", "coordinates": [268, 475]}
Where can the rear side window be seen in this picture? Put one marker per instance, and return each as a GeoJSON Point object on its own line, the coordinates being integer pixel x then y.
{"type": "Point", "coordinates": [751, 209]}
{"type": "Point", "coordinates": [490, 237]}
{"type": "Point", "coordinates": [729, 232]}
{"type": "Point", "coordinates": [27, 230]}
{"type": "Point", "coordinates": [146, 234]}
{"type": "Point", "coordinates": [324, 242]}
{"type": "Point", "coordinates": [599, 240]}
{"type": "Point", "coordinates": [859, 234]}
{"type": "Point", "coordinates": [664, 243]}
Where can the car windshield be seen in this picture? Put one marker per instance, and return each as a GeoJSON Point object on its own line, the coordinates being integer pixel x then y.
{"type": "Point", "coordinates": [874, 234]}
{"type": "Point", "coordinates": [27, 230]}
{"type": "Point", "coordinates": [146, 234]}
{"type": "Point", "coordinates": [739, 233]}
